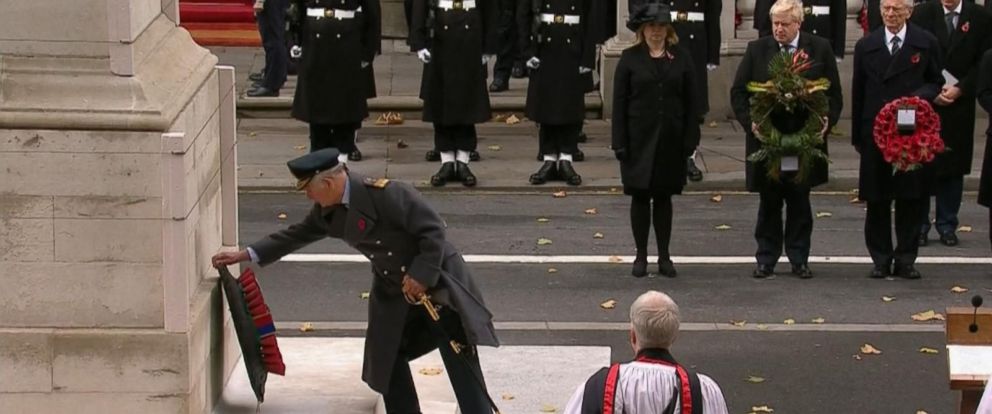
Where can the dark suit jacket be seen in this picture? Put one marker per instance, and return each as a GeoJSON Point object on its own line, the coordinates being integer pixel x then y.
{"type": "Point", "coordinates": [754, 67]}
{"type": "Point", "coordinates": [400, 234]}
{"type": "Point", "coordinates": [879, 78]}
{"type": "Point", "coordinates": [875, 12]}
{"type": "Point", "coordinates": [984, 94]}
{"type": "Point", "coordinates": [963, 50]}
{"type": "Point", "coordinates": [832, 27]}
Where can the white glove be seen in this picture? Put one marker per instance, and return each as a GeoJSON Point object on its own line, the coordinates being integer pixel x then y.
{"type": "Point", "coordinates": [533, 63]}
{"type": "Point", "coordinates": [365, 64]}
{"type": "Point", "coordinates": [424, 55]}
{"type": "Point", "coordinates": [711, 67]}
{"type": "Point", "coordinates": [584, 70]}
{"type": "Point", "coordinates": [295, 52]}
{"type": "Point", "coordinates": [486, 59]}
{"type": "Point", "coordinates": [840, 59]}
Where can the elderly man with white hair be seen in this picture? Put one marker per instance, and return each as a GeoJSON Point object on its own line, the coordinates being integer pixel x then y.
{"type": "Point", "coordinates": [653, 383]}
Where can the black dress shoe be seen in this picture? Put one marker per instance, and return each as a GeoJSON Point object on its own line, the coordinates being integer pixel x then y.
{"type": "Point", "coordinates": [923, 240]}
{"type": "Point", "coordinates": [499, 85]}
{"type": "Point", "coordinates": [518, 71]}
{"type": "Point", "coordinates": [667, 268]}
{"type": "Point", "coordinates": [579, 156]}
{"type": "Point", "coordinates": [802, 271]}
{"type": "Point", "coordinates": [355, 155]}
{"type": "Point", "coordinates": [547, 172]}
{"type": "Point", "coordinates": [465, 175]}
{"type": "Point", "coordinates": [763, 271]}
{"type": "Point", "coordinates": [256, 77]}
{"type": "Point", "coordinates": [474, 156]}
{"type": "Point", "coordinates": [567, 173]}
{"type": "Point", "coordinates": [879, 272]}
{"type": "Point", "coordinates": [640, 268]}
{"type": "Point", "coordinates": [262, 91]}
{"type": "Point", "coordinates": [949, 239]}
{"type": "Point", "coordinates": [432, 156]}
{"type": "Point", "coordinates": [907, 272]}
{"type": "Point", "coordinates": [693, 172]}
{"type": "Point", "coordinates": [445, 173]}
{"type": "Point", "coordinates": [582, 137]}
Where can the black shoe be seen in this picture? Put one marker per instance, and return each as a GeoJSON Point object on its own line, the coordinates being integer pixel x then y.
{"type": "Point", "coordinates": [579, 156]}
{"type": "Point", "coordinates": [567, 173]}
{"type": "Point", "coordinates": [907, 272]}
{"type": "Point", "coordinates": [447, 172]}
{"type": "Point", "coordinates": [763, 271]}
{"type": "Point", "coordinates": [540, 157]}
{"type": "Point", "coordinates": [923, 240]}
{"type": "Point", "coordinates": [256, 77]}
{"type": "Point", "coordinates": [949, 239]}
{"type": "Point", "coordinates": [474, 156]}
{"type": "Point", "coordinates": [518, 71]}
{"type": "Point", "coordinates": [802, 271]}
{"type": "Point", "coordinates": [692, 171]}
{"type": "Point", "coordinates": [582, 137]}
{"type": "Point", "coordinates": [355, 155]}
{"type": "Point", "coordinates": [499, 85]}
{"type": "Point", "coordinates": [640, 268]}
{"type": "Point", "coordinates": [433, 156]}
{"type": "Point", "coordinates": [667, 268]}
{"type": "Point", "coordinates": [879, 272]}
{"type": "Point", "coordinates": [465, 175]}
{"type": "Point", "coordinates": [547, 172]}
{"type": "Point", "coordinates": [262, 91]}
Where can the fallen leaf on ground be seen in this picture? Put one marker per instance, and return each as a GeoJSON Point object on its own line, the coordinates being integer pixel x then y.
{"type": "Point", "coordinates": [543, 242]}
{"type": "Point", "coordinates": [548, 408]}
{"type": "Point", "coordinates": [868, 349]}
{"type": "Point", "coordinates": [717, 198]}
{"type": "Point", "coordinates": [401, 144]}
{"type": "Point", "coordinates": [382, 119]}
{"type": "Point", "coordinates": [282, 216]}
{"type": "Point", "coordinates": [722, 227]}
{"type": "Point", "coordinates": [959, 289]}
{"type": "Point", "coordinates": [926, 350]}
{"type": "Point", "coordinates": [754, 380]}
{"type": "Point", "coordinates": [888, 298]}
{"type": "Point", "coordinates": [252, 134]}
{"type": "Point", "coordinates": [964, 229]}
{"type": "Point", "coordinates": [713, 124]}
{"type": "Point", "coordinates": [552, 270]}
{"type": "Point", "coordinates": [822, 214]}
{"type": "Point", "coordinates": [394, 118]}
{"type": "Point", "coordinates": [592, 211]}
{"type": "Point", "coordinates": [306, 327]}
{"type": "Point", "coordinates": [613, 189]}
{"type": "Point", "coordinates": [818, 320]}
{"type": "Point", "coordinates": [616, 259]}
{"type": "Point", "coordinates": [855, 200]}
{"type": "Point", "coordinates": [597, 236]}
{"type": "Point", "coordinates": [500, 117]}
{"type": "Point", "coordinates": [610, 304]}
{"type": "Point", "coordinates": [542, 220]}
{"type": "Point", "coordinates": [929, 315]}
{"type": "Point", "coordinates": [761, 326]}
{"type": "Point", "coordinates": [512, 119]}
{"type": "Point", "coordinates": [738, 323]}
{"type": "Point", "coordinates": [432, 371]}
{"type": "Point", "coordinates": [559, 194]}
{"type": "Point", "coordinates": [857, 357]}
{"type": "Point", "coordinates": [300, 147]}
{"type": "Point", "coordinates": [762, 409]}
{"type": "Point", "coordinates": [508, 397]}
{"type": "Point", "coordinates": [364, 295]}
{"type": "Point", "coordinates": [495, 148]}
{"type": "Point", "coordinates": [789, 321]}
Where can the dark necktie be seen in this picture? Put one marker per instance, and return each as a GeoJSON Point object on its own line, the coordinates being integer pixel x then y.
{"type": "Point", "coordinates": [895, 45]}
{"type": "Point", "coordinates": [950, 18]}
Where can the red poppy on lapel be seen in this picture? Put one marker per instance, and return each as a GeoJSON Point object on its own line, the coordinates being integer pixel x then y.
{"type": "Point", "coordinates": [915, 58]}
{"type": "Point", "coordinates": [361, 224]}
{"type": "Point", "coordinates": [966, 27]}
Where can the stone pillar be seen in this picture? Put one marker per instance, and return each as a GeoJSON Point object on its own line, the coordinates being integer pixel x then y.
{"type": "Point", "coordinates": [117, 147]}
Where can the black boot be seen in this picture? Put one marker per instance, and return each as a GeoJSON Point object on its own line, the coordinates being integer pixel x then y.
{"type": "Point", "coordinates": [355, 155]}
{"type": "Point", "coordinates": [547, 172]}
{"type": "Point", "coordinates": [692, 171]}
{"type": "Point", "coordinates": [447, 172]}
{"type": "Point", "coordinates": [465, 175]}
{"type": "Point", "coordinates": [473, 156]}
{"type": "Point", "coordinates": [433, 155]}
{"type": "Point", "coordinates": [582, 137]}
{"type": "Point", "coordinates": [578, 156]}
{"type": "Point", "coordinates": [567, 173]}
{"type": "Point", "coordinates": [667, 268]}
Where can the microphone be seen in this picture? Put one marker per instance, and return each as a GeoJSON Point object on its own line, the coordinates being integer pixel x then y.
{"type": "Point", "coordinates": [976, 301]}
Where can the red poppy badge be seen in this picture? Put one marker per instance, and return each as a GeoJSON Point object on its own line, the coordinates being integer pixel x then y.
{"type": "Point", "coordinates": [915, 58]}
{"type": "Point", "coordinates": [361, 224]}
{"type": "Point", "coordinates": [966, 27]}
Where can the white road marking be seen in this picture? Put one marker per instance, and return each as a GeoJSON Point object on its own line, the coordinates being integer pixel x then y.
{"type": "Point", "coordinates": [603, 259]}
{"type": "Point", "coordinates": [689, 326]}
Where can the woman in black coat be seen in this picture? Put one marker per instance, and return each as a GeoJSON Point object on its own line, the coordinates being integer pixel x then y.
{"type": "Point", "coordinates": [654, 128]}
{"type": "Point", "coordinates": [984, 95]}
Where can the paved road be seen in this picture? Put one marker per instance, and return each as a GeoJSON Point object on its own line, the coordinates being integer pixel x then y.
{"type": "Point", "coordinates": [808, 367]}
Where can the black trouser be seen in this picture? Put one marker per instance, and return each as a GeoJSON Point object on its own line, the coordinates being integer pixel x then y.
{"type": "Point", "coordinates": [559, 139]}
{"type": "Point", "coordinates": [948, 202]}
{"type": "Point", "coordinates": [455, 137]}
{"type": "Point", "coordinates": [272, 28]}
{"type": "Point", "coordinates": [402, 395]}
{"type": "Point", "coordinates": [878, 231]}
{"type": "Point", "coordinates": [508, 52]}
{"type": "Point", "coordinates": [640, 223]}
{"type": "Point", "coordinates": [340, 136]}
{"type": "Point", "coordinates": [768, 230]}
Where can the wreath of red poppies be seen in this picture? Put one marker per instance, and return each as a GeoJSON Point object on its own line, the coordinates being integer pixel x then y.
{"type": "Point", "coordinates": [911, 151]}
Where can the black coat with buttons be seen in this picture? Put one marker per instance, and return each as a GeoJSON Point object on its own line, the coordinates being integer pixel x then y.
{"type": "Point", "coordinates": [392, 225]}
{"type": "Point", "coordinates": [556, 89]}
{"type": "Point", "coordinates": [333, 86]}
{"type": "Point", "coordinates": [453, 83]}
{"type": "Point", "coordinates": [702, 39]}
{"type": "Point", "coordinates": [832, 26]}
{"type": "Point", "coordinates": [654, 118]}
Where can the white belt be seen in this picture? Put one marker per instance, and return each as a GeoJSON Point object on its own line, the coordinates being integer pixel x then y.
{"type": "Point", "coordinates": [818, 10]}
{"type": "Point", "coordinates": [332, 13]}
{"type": "Point", "coordinates": [560, 18]}
{"type": "Point", "coordinates": [688, 16]}
{"type": "Point", "coordinates": [456, 4]}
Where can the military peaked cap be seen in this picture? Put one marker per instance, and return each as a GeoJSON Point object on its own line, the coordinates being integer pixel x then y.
{"type": "Point", "coordinates": [306, 167]}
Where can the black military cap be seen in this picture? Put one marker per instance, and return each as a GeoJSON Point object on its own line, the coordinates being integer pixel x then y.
{"type": "Point", "coordinates": [306, 167]}
{"type": "Point", "coordinates": [648, 12]}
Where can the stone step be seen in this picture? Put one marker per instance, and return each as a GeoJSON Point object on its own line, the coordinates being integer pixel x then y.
{"type": "Point", "coordinates": [323, 375]}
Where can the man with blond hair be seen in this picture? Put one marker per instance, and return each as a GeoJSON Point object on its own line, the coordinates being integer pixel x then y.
{"type": "Point", "coordinates": [653, 383]}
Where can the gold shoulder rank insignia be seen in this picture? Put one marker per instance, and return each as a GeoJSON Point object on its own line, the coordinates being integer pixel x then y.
{"type": "Point", "coordinates": [376, 182]}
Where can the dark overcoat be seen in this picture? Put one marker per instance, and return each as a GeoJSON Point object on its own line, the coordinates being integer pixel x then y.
{"type": "Point", "coordinates": [556, 89]}
{"type": "Point", "coordinates": [832, 26]}
{"type": "Point", "coordinates": [701, 39]}
{"type": "Point", "coordinates": [878, 78]}
{"type": "Point", "coordinates": [453, 83]}
{"type": "Point", "coordinates": [654, 118]}
{"type": "Point", "coordinates": [332, 86]}
{"type": "Point", "coordinates": [400, 234]}
{"type": "Point", "coordinates": [754, 67]}
{"type": "Point", "coordinates": [963, 50]}
{"type": "Point", "coordinates": [984, 95]}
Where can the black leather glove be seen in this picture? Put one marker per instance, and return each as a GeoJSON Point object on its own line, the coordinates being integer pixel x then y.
{"type": "Point", "coordinates": [620, 153]}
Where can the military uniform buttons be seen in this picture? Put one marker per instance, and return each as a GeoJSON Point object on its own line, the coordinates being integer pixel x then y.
{"type": "Point", "coordinates": [445, 27]}
{"type": "Point", "coordinates": [403, 268]}
{"type": "Point", "coordinates": [568, 40]}
{"type": "Point", "coordinates": [378, 242]}
{"type": "Point", "coordinates": [371, 256]}
{"type": "Point", "coordinates": [339, 35]}
{"type": "Point", "coordinates": [697, 4]}
{"type": "Point", "coordinates": [547, 6]}
{"type": "Point", "coordinates": [318, 35]}
{"type": "Point", "coordinates": [692, 36]}
{"type": "Point", "coordinates": [814, 31]}
{"type": "Point", "coordinates": [549, 40]}
{"type": "Point", "coordinates": [389, 253]}
{"type": "Point", "coordinates": [573, 7]}
{"type": "Point", "coordinates": [385, 272]}
{"type": "Point", "coordinates": [466, 27]}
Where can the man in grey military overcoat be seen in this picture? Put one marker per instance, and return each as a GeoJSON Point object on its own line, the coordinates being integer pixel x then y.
{"type": "Point", "coordinates": [404, 239]}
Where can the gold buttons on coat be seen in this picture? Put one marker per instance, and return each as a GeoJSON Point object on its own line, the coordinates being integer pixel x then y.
{"type": "Point", "coordinates": [318, 35]}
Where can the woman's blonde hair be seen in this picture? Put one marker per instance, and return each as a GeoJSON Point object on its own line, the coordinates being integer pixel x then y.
{"type": "Point", "coordinates": [671, 38]}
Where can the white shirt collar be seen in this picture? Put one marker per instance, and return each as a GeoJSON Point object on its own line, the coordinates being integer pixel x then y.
{"type": "Point", "coordinates": [956, 9]}
{"type": "Point", "coordinates": [901, 34]}
{"type": "Point", "coordinates": [795, 42]}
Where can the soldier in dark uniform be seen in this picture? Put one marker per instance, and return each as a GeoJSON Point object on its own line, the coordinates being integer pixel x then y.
{"type": "Point", "coordinates": [508, 62]}
{"type": "Point", "coordinates": [271, 17]}
{"type": "Point", "coordinates": [824, 18]}
{"type": "Point", "coordinates": [558, 40]}
{"type": "Point", "coordinates": [984, 95]}
{"type": "Point", "coordinates": [339, 40]}
{"type": "Point", "coordinates": [404, 238]}
{"type": "Point", "coordinates": [454, 39]}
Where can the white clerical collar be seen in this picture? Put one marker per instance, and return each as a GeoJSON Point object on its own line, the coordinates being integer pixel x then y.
{"type": "Point", "coordinates": [956, 9]}
{"type": "Point", "coordinates": [902, 35]}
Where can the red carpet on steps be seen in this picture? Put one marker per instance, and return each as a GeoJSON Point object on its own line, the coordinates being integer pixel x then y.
{"type": "Point", "coordinates": [220, 22]}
